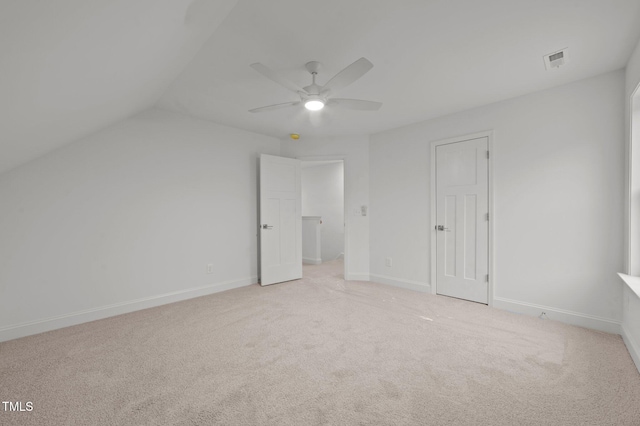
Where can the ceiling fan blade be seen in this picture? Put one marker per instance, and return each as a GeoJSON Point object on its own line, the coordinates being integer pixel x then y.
{"type": "Point", "coordinates": [349, 74]}
{"type": "Point", "coordinates": [276, 106]}
{"type": "Point", "coordinates": [274, 76]}
{"type": "Point", "coordinates": [355, 104]}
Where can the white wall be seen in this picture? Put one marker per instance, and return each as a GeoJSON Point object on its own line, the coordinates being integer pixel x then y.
{"type": "Point", "coordinates": [311, 240]}
{"type": "Point", "coordinates": [558, 165]}
{"type": "Point", "coordinates": [115, 221]}
{"type": "Point", "coordinates": [355, 152]}
{"type": "Point", "coordinates": [323, 195]}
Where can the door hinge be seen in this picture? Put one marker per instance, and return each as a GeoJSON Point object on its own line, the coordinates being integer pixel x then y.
{"type": "Point", "coordinates": [487, 154]}
{"type": "Point", "coordinates": [487, 278]}
{"type": "Point", "coordinates": [487, 216]}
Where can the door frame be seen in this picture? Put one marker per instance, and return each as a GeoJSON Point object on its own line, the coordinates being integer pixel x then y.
{"type": "Point", "coordinates": [432, 199]}
{"type": "Point", "coordinates": [344, 196]}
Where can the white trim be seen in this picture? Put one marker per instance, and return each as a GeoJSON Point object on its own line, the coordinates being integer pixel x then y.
{"type": "Point", "coordinates": [632, 282]}
{"type": "Point", "coordinates": [562, 315]}
{"type": "Point", "coordinates": [629, 182]}
{"type": "Point", "coordinates": [632, 346]}
{"type": "Point", "coordinates": [627, 219]}
{"type": "Point", "coordinates": [79, 317]}
{"type": "Point", "coordinates": [357, 277]}
{"type": "Point", "coordinates": [396, 282]}
{"type": "Point", "coordinates": [432, 200]}
{"type": "Point", "coordinates": [309, 261]}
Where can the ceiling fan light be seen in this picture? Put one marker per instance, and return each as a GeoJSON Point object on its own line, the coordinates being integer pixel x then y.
{"type": "Point", "coordinates": [314, 105]}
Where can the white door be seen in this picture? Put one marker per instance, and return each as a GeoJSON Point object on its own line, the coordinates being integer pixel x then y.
{"type": "Point", "coordinates": [280, 219]}
{"type": "Point", "coordinates": [462, 222]}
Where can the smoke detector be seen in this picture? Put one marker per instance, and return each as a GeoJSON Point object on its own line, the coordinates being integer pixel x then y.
{"type": "Point", "coordinates": [556, 59]}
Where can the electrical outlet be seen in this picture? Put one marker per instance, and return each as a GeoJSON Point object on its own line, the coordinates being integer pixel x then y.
{"type": "Point", "coordinates": [209, 268]}
{"type": "Point", "coordinates": [388, 262]}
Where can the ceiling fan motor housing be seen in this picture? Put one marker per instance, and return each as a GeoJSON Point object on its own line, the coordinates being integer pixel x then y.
{"type": "Point", "coordinates": [313, 67]}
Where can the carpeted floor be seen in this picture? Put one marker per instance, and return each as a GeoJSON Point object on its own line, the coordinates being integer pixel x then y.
{"type": "Point", "coordinates": [321, 351]}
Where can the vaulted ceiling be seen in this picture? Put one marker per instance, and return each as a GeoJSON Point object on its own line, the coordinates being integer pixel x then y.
{"type": "Point", "coordinates": [71, 67]}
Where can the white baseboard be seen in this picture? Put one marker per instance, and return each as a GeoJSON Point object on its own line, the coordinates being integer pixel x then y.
{"type": "Point", "coordinates": [632, 346]}
{"type": "Point", "coordinates": [310, 261]}
{"type": "Point", "coordinates": [408, 284]}
{"type": "Point", "coordinates": [358, 277]}
{"type": "Point", "coordinates": [568, 317]}
{"type": "Point", "coordinates": [74, 318]}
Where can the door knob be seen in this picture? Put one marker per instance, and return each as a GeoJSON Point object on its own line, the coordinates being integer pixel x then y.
{"type": "Point", "coordinates": [265, 226]}
{"type": "Point", "coordinates": [442, 228]}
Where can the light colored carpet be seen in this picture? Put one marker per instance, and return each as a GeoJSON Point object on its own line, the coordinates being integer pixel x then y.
{"type": "Point", "coordinates": [321, 351]}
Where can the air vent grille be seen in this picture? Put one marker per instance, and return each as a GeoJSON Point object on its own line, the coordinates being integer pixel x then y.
{"type": "Point", "coordinates": [556, 56]}
{"type": "Point", "coordinates": [556, 59]}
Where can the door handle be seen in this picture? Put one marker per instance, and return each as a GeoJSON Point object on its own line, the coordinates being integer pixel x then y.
{"type": "Point", "coordinates": [265, 226]}
{"type": "Point", "coordinates": [442, 228]}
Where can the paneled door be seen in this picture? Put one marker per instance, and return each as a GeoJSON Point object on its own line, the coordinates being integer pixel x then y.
{"type": "Point", "coordinates": [462, 219]}
{"type": "Point", "coordinates": [280, 219]}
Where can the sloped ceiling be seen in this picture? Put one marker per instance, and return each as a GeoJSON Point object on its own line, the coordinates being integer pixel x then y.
{"type": "Point", "coordinates": [71, 67]}
{"type": "Point", "coordinates": [431, 57]}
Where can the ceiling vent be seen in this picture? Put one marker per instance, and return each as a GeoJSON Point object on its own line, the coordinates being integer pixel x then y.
{"type": "Point", "coordinates": [556, 59]}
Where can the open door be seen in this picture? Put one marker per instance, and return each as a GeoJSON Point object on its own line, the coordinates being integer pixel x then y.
{"type": "Point", "coordinates": [280, 219]}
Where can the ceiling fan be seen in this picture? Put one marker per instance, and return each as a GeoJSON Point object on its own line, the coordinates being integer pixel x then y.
{"type": "Point", "coordinates": [314, 97]}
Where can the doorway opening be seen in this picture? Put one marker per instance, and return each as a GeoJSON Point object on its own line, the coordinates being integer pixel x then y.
{"type": "Point", "coordinates": [323, 217]}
